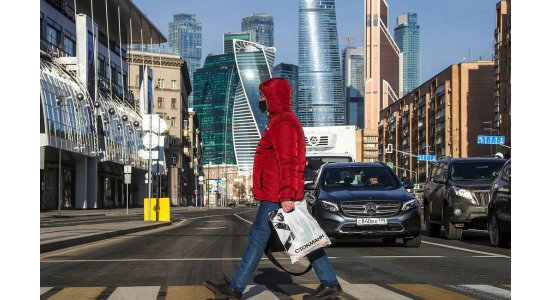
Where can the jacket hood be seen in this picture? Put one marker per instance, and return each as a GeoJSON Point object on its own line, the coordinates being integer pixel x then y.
{"type": "Point", "coordinates": [278, 93]}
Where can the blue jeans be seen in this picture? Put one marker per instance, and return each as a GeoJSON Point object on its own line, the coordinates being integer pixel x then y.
{"type": "Point", "coordinates": [257, 241]}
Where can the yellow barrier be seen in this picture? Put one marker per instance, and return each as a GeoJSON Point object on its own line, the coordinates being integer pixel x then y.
{"type": "Point", "coordinates": [160, 210]}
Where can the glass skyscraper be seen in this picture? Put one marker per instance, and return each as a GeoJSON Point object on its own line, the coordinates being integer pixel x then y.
{"type": "Point", "coordinates": [290, 73]}
{"type": "Point", "coordinates": [226, 99]}
{"type": "Point", "coordinates": [320, 100]}
{"type": "Point", "coordinates": [185, 39]}
{"type": "Point", "coordinates": [261, 25]}
{"type": "Point", "coordinates": [230, 36]}
{"type": "Point", "coordinates": [353, 66]}
{"type": "Point", "coordinates": [407, 38]}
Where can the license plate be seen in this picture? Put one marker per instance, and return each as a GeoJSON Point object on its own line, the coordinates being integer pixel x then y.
{"type": "Point", "coordinates": [372, 221]}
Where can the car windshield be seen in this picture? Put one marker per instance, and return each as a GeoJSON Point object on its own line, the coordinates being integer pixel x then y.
{"type": "Point", "coordinates": [475, 170]}
{"type": "Point", "coordinates": [314, 163]}
{"type": "Point", "coordinates": [375, 178]}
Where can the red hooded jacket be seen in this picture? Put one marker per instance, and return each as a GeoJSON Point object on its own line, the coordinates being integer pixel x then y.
{"type": "Point", "coordinates": [280, 157]}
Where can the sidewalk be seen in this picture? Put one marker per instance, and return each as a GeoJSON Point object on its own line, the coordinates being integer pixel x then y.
{"type": "Point", "coordinates": [55, 235]}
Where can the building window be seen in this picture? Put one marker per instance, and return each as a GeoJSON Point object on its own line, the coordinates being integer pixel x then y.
{"type": "Point", "coordinates": [160, 83]}
{"type": "Point", "coordinates": [52, 35]}
{"type": "Point", "coordinates": [160, 102]}
{"type": "Point", "coordinates": [174, 103]}
{"type": "Point", "coordinates": [69, 44]}
{"type": "Point", "coordinates": [173, 122]}
{"type": "Point", "coordinates": [174, 85]}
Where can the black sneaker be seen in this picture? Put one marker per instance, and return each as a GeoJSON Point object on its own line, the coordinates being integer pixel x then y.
{"type": "Point", "coordinates": [223, 289]}
{"type": "Point", "coordinates": [325, 292]}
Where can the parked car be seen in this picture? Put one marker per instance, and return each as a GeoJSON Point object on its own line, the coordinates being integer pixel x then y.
{"type": "Point", "coordinates": [232, 204]}
{"type": "Point", "coordinates": [457, 193]}
{"type": "Point", "coordinates": [364, 200]}
{"type": "Point", "coordinates": [499, 214]}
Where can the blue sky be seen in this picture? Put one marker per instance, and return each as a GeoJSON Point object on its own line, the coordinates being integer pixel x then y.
{"type": "Point", "coordinates": [450, 30]}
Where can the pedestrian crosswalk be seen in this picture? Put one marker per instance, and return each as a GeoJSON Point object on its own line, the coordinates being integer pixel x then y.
{"type": "Point", "coordinates": [395, 291]}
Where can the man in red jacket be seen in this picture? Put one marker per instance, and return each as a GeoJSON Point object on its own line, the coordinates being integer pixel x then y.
{"type": "Point", "coordinates": [278, 179]}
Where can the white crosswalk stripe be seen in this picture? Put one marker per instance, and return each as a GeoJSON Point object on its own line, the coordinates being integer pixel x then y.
{"type": "Point", "coordinates": [371, 291]}
{"type": "Point", "coordinates": [484, 291]}
{"type": "Point", "coordinates": [137, 292]}
{"type": "Point", "coordinates": [258, 292]}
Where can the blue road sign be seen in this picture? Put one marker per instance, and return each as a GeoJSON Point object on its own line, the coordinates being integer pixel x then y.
{"type": "Point", "coordinates": [490, 139]}
{"type": "Point", "coordinates": [426, 157]}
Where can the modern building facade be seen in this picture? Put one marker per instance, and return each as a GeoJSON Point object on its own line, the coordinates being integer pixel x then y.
{"type": "Point", "coordinates": [407, 38]}
{"type": "Point", "coordinates": [261, 25]}
{"type": "Point", "coordinates": [214, 88]}
{"type": "Point", "coordinates": [320, 98]}
{"type": "Point", "coordinates": [353, 72]}
{"type": "Point", "coordinates": [502, 120]}
{"type": "Point", "coordinates": [383, 63]}
{"type": "Point", "coordinates": [290, 73]}
{"type": "Point", "coordinates": [89, 128]}
{"type": "Point", "coordinates": [172, 87]}
{"type": "Point", "coordinates": [442, 117]}
{"type": "Point", "coordinates": [230, 36]}
{"type": "Point", "coordinates": [367, 145]}
{"type": "Point", "coordinates": [185, 39]}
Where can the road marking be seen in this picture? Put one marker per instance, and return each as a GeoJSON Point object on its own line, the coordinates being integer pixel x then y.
{"type": "Point", "coordinates": [242, 218]}
{"type": "Point", "coordinates": [239, 258]}
{"type": "Point", "coordinates": [78, 293]}
{"type": "Point", "coordinates": [369, 291]}
{"type": "Point", "coordinates": [190, 292]}
{"type": "Point", "coordinates": [464, 249]}
{"type": "Point", "coordinates": [485, 289]}
{"type": "Point", "coordinates": [210, 228]}
{"type": "Point", "coordinates": [181, 222]}
{"type": "Point", "coordinates": [429, 292]}
{"type": "Point", "coordinates": [44, 289]}
{"type": "Point", "coordinates": [258, 292]}
{"type": "Point", "coordinates": [214, 221]}
{"type": "Point", "coordinates": [135, 292]}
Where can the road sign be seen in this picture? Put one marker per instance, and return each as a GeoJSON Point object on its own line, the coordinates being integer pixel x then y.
{"type": "Point", "coordinates": [153, 123]}
{"type": "Point", "coordinates": [390, 164]}
{"type": "Point", "coordinates": [127, 178]}
{"type": "Point", "coordinates": [150, 140]}
{"type": "Point", "coordinates": [128, 169]}
{"type": "Point", "coordinates": [145, 154]}
{"type": "Point", "coordinates": [490, 139]}
{"type": "Point", "coordinates": [426, 157]}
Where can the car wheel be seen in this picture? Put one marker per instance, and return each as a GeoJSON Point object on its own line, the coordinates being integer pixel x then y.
{"type": "Point", "coordinates": [412, 242]}
{"type": "Point", "coordinates": [451, 231]}
{"type": "Point", "coordinates": [432, 228]}
{"type": "Point", "coordinates": [389, 240]}
{"type": "Point", "coordinates": [497, 237]}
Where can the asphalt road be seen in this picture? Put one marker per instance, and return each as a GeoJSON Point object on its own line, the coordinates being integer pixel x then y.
{"type": "Point", "coordinates": [202, 246]}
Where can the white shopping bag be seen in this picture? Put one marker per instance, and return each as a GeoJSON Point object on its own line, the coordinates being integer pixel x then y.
{"type": "Point", "coordinates": [298, 231]}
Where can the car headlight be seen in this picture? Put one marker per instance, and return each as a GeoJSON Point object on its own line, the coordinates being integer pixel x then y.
{"type": "Point", "coordinates": [411, 204]}
{"type": "Point", "coordinates": [466, 194]}
{"type": "Point", "coordinates": [329, 206]}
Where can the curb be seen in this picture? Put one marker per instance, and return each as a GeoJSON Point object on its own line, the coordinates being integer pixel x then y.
{"type": "Point", "coordinates": [48, 247]}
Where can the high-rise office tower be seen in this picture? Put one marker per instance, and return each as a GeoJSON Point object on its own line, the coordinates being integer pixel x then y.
{"type": "Point", "coordinates": [185, 39]}
{"type": "Point", "coordinates": [407, 38]}
{"type": "Point", "coordinates": [383, 61]}
{"type": "Point", "coordinates": [353, 72]}
{"type": "Point", "coordinates": [261, 25]}
{"type": "Point", "coordinates": [290, 73]}
{"type": "Point", "coordinates": [226, 98]}
{"type": "Point", "coordinates": [320, 100]}
{"type": "Point", "coordinates": [230, 36]}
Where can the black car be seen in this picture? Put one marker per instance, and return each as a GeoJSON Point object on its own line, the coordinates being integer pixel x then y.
{"type": "Point", "coordinates": [457, 193]}
{"type": "Point", "coordinates": [364, 200]}
{"type": "Point", "coordinates": [499, 215]}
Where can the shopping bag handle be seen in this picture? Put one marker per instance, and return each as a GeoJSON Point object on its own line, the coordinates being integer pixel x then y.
{"type": "Point", "coordinates": [275, 262]}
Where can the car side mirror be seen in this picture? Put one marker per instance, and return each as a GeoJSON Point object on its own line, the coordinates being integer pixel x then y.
{"type": "Point", "coordinates": [408, 185]}
{"type": "Point", "coordinates": [310, 186]}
